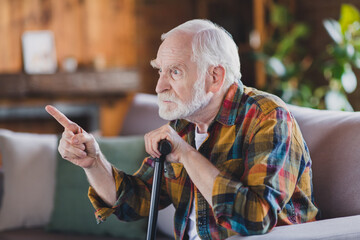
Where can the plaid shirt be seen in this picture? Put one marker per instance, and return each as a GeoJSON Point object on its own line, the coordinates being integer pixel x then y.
{"type": "Point", "coordinates": [265, 175]}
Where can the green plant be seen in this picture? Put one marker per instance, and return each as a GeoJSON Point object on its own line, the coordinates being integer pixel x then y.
{"type": "Point", "coordinates": [285, 58]}
{"type": "Point", "coordinates": [287, 61]}
{"type": "Point", "coordinates": [343, 55]}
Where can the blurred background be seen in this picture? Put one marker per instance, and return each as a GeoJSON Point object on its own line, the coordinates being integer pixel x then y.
{"type": "Point", "coordinates": [89, 57]}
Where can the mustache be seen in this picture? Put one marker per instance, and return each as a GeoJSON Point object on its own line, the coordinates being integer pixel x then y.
{"type": "Point", "coordinates": [167, 96]}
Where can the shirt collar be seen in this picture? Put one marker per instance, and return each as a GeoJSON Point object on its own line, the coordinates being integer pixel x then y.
{"type": "Point", "coordinates": [231, 103]}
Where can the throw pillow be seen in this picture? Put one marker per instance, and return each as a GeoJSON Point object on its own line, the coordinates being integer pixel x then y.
{"type": "Point", "coordinates": [28, 163]}
{"type": "Point", "coordinates": [73, 212]}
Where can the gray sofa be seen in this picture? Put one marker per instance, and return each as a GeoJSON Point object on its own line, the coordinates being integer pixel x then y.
{"type": "Point", "coordinates": [332, 138]}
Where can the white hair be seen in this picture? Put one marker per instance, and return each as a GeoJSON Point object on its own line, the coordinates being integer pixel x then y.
{"type": "Point", "coordinates": [212, 45]}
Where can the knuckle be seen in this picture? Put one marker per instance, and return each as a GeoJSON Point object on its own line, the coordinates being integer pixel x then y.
{"type": "Point", "coordinates": [81, 146]}
{"type": "Point", "coordinates": [67, 134]}
{"type": "Point", "coordinates": [64, 155]}
{"type": "Point", "coordinates": [61, 145]}
{"type": "Point", "coordinates": [168, 129]}
{"type": "Point", "coordinates": [80, 154]}
{"type": "Point", "coordinates": [65, 145]}
{"type": "Point", "coordinates": [92, 140]}
{"type": "Point", "coordinates": [91, 137]}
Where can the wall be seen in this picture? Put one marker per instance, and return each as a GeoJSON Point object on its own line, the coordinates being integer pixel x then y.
{"type": "Point", "coordinates": [156, 17]}
{"type": "Point", "coordinates": [84, 29]}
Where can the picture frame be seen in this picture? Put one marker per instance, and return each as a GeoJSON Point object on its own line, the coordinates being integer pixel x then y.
{"type": "Point", "coordinates": [39, 53]}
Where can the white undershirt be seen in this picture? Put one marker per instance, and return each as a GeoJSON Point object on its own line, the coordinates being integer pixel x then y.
{"type": "Point", "coordinates": [192, 232]}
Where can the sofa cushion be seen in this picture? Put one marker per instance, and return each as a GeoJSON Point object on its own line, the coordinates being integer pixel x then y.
{"type": "Point", "coordinates": [29, 169]}
{"type": "Point", "coordinates": [332, 138]}
{"type": "Point", "coordinates": [73, 212]}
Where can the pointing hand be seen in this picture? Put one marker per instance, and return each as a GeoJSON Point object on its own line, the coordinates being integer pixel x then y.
{"type": "Point", "coordinates": [76, 145]}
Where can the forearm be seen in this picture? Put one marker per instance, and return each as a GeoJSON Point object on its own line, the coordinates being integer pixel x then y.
{"type": "Point", "coordinates": [201, 171]}
{"type": "Point", "coordinates": [101, 179]}
{"type": "Point", "coordinates": [133, 195]}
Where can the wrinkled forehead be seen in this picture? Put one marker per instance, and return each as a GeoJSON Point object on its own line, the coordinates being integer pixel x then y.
{"type": "Point", "coordinates": [175, 48]}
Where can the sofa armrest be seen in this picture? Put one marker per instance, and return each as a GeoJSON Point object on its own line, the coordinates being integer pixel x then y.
{"type": "Point", "coordinates": [335, 228]}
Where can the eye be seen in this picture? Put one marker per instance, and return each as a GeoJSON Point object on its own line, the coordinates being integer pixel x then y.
{"type": "Point", "coordinates": [176, 74]}
{"type": "Point", "coordinates": [160, 70]}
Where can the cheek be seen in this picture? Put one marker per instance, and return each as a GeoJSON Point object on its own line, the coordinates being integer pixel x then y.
{"type": "Point", "coordinates": [188, 89]}
{"type": "Point", "coordinates": [182, 91]}
{"type": "Point", "coordinates": [186, 94]}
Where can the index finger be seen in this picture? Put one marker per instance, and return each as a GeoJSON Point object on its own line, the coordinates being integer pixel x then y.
{"type": "Point", "coordinates": [62, 119]}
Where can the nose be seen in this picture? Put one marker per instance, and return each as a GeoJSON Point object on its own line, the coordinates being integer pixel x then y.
{"type": "Point", "coordinates": [163, 83]}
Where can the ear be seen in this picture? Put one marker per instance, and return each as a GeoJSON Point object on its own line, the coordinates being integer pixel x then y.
{"type": "Point", "coordinates": [217, 78]}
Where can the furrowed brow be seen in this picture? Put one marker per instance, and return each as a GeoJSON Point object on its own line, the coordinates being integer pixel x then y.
{"type": "Point", "coordinates": [179, 66]}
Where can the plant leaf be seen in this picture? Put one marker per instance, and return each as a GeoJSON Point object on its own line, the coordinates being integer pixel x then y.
{"type": "Point", "coordinates": [334, 30]}
{"type": "Point", "coordinates": [279, 15]}
{"type": "Point", "coordinates": [348, 80]}
{"type": "Point", "coordinates": [335, 100]}
{"type": "Point", "coordinates": [348, 15]}
{"type": "Point", "coordinates": [277, 66]}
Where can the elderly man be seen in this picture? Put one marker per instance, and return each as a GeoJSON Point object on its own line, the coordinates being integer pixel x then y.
{"type": "Point", "coordinates": [239, 164]}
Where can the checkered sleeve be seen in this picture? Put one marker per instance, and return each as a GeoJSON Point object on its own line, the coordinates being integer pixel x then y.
{"type": "Point", "coordinates": [133, 195]}
{"type": "Point", "coordinates": [248, 202]}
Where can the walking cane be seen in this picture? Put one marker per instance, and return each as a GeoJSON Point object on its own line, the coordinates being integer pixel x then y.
{"type": "Point", "coordinates": [165, 149]}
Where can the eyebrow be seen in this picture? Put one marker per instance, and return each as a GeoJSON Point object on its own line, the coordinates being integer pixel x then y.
{"type": "Point", "coordinates": [179, 66]}
{"type": "Point", "coordinates": [154, 64]}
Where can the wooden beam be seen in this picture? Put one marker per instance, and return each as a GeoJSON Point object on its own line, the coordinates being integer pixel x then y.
{"type": "Point", "coordinates": [260, 28]}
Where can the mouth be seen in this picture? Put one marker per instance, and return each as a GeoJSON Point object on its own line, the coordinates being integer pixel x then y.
{"type": "Point", "coordinates": [167, 103]}
{"type": "Point", "coordinates": [164, 100]}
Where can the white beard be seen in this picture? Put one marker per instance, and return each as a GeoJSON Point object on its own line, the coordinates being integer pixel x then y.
{"type": "Point", "coordinates": [184, 110]}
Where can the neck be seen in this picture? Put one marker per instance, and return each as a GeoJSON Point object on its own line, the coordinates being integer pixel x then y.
{"type": "Point", "coordinates": [204, 117]}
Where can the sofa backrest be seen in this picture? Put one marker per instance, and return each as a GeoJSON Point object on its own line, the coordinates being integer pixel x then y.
{"type": "Point", "coordinates": [142, 116]}
{"type": "Point", "coordinates": [333, 139]}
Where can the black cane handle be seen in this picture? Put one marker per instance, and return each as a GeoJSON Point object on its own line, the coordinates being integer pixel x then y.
{"type": "Point", "coordinates": [164, 148]}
